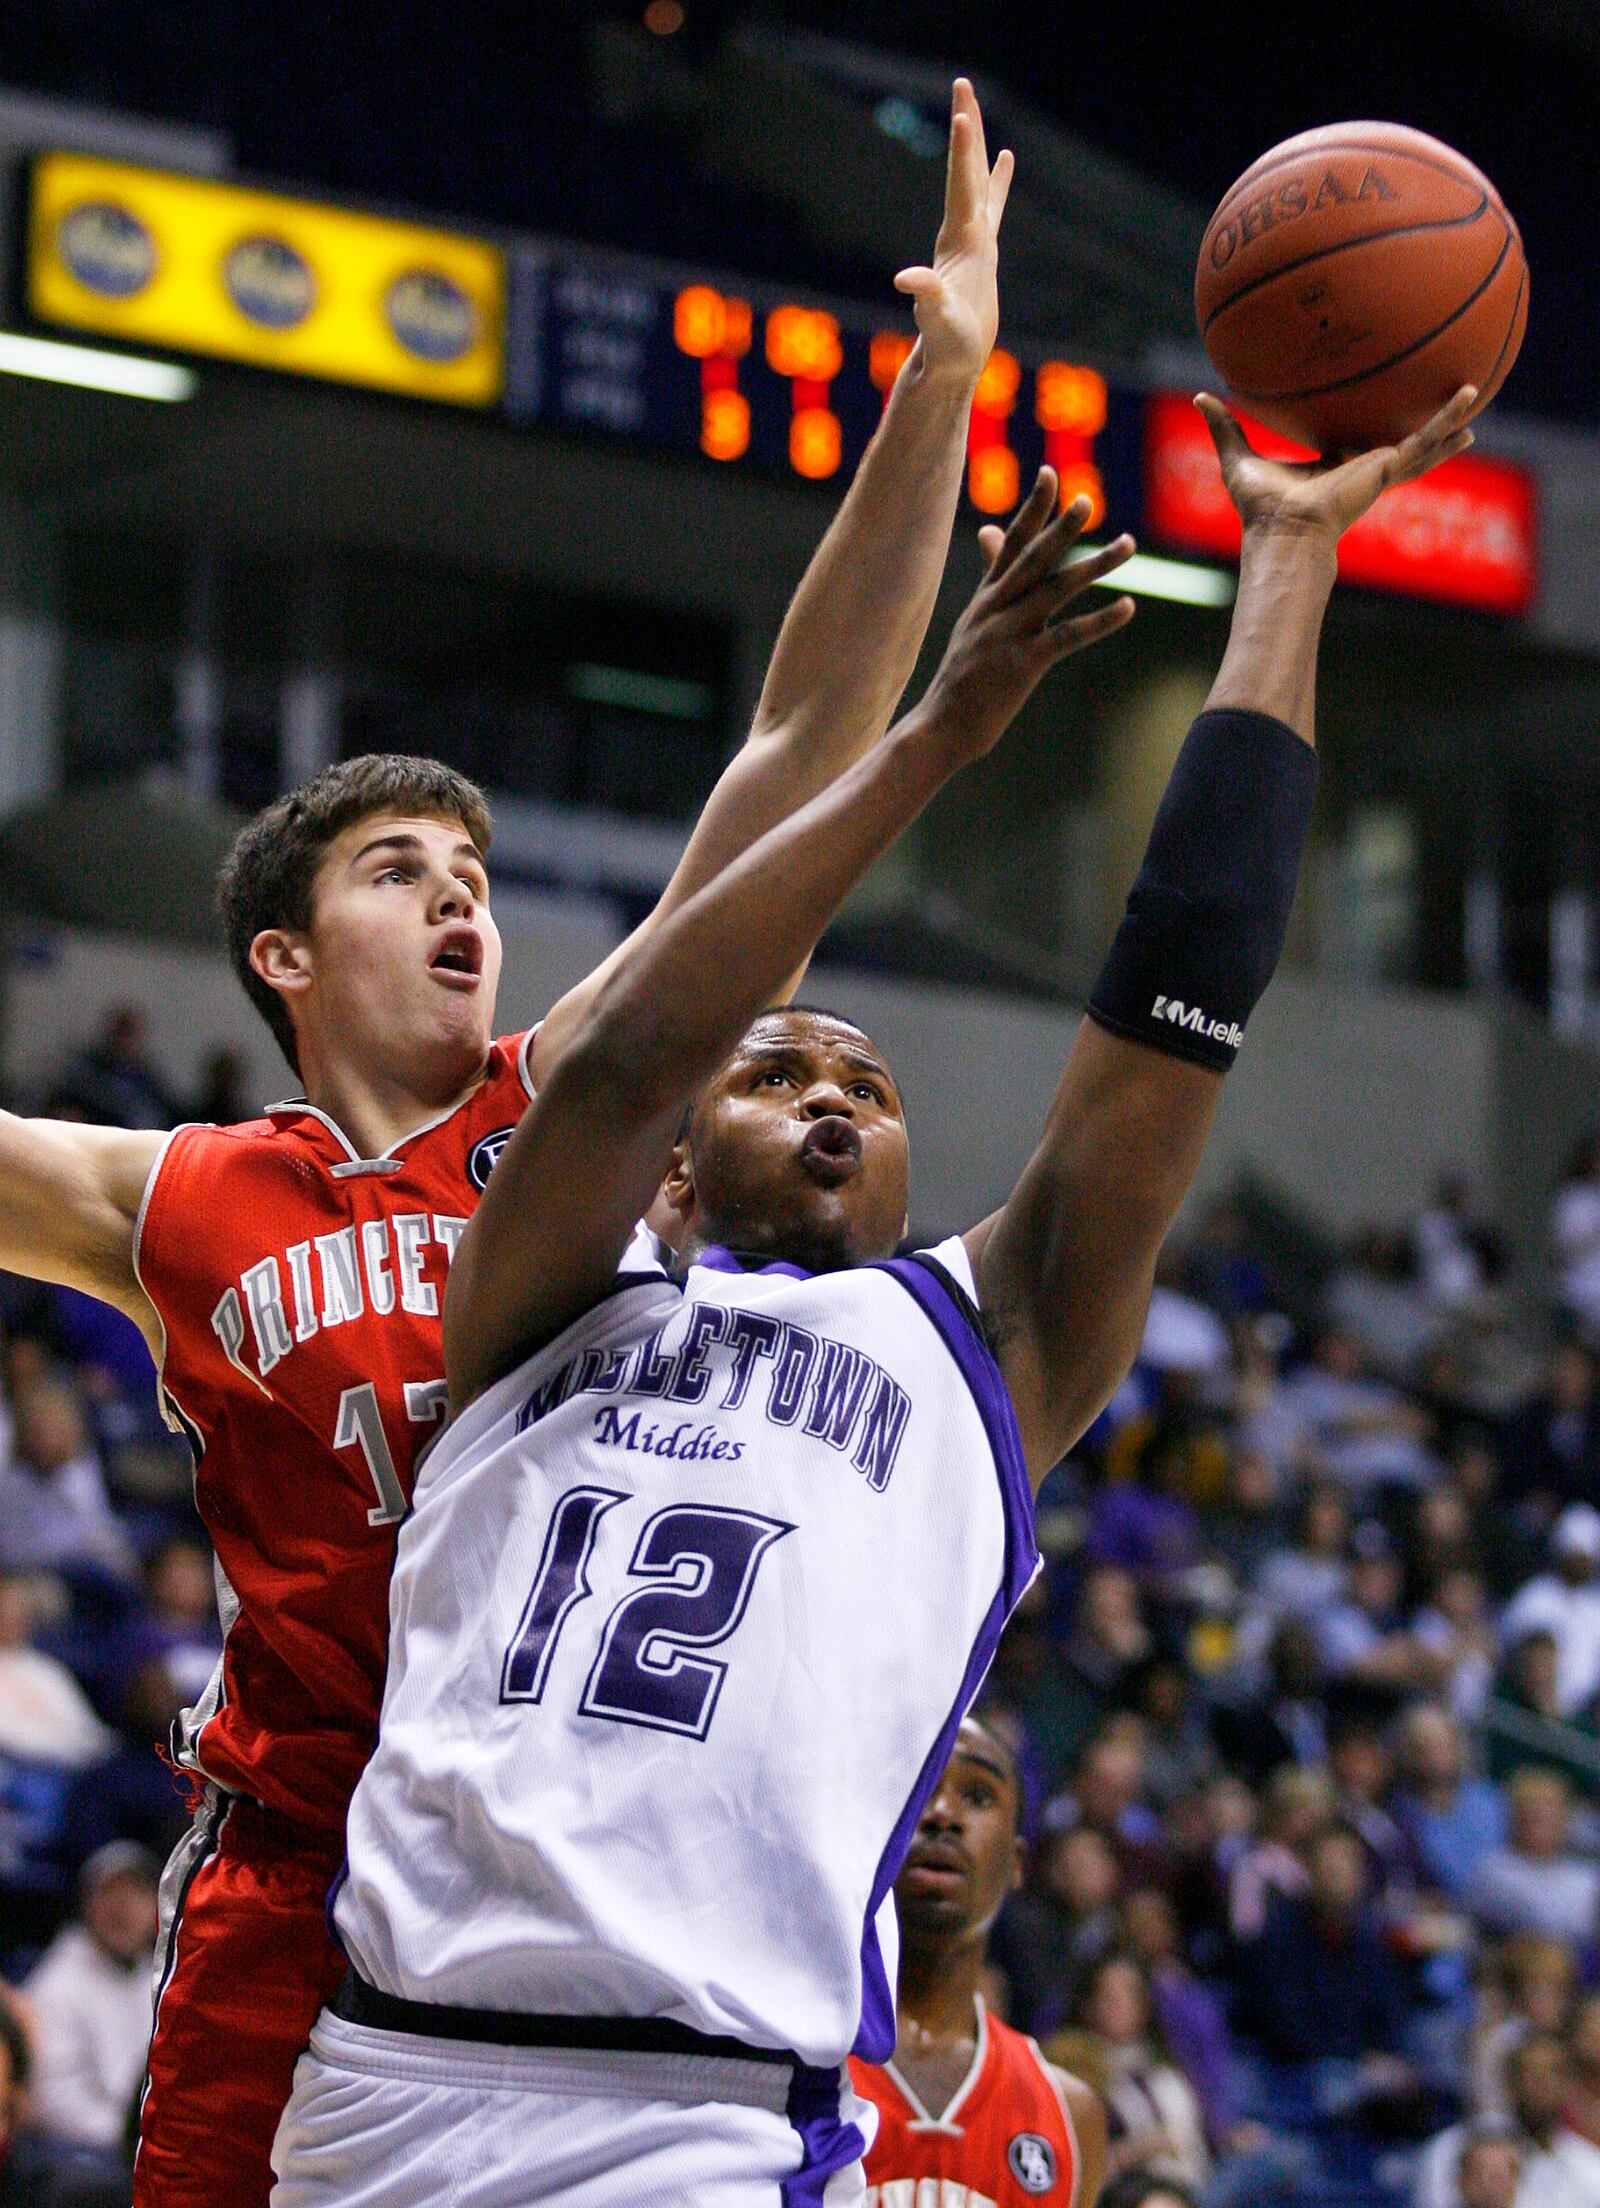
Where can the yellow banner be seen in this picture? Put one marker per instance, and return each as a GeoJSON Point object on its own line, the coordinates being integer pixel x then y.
{"type": "Point", "coordinates": [198, 267]}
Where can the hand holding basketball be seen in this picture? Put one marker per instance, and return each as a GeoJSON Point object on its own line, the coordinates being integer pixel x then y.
{"type": "Point", "coordinates": [1353, 278]}
{"type": "Point", "coordinates": [1329, 494]}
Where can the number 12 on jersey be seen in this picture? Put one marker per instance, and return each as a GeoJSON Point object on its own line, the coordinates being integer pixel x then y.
{"type": "Point", "coordinates": [699, 1563]}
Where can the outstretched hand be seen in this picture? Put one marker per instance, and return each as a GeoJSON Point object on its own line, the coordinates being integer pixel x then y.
{"type": "Point", "coordinates": [1017, 625]}
{"type": "Point", "coordinates": [957, 301]}
{"type": "Point", "coordinates": [1328, 494]}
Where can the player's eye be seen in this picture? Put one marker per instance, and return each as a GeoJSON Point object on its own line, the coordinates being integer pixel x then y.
{"type": "Point", "coordinates": [867, 1089]}
{"type": "Point", "coordinates": [772, 1077]}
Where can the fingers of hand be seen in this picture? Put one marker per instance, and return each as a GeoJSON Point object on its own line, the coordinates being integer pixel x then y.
{"type": "Point", "coordinates": [1064, 584]}
{"type": "Point", "coordinates": [921, 283]}
{"type": "Point", "coordinates": [1226, 435]}
{"type": "Point", "coordinates": [967, 169]}
{"type": "Point", "coordinates": [1047, 546]}
{"type": "Point", "coordinates": [1026, 524]}
{"type": "Point", "coordinates": [1000, 185]}
{"type": "Point", "coordinates": [1062, 638]}
{"type": "Point", "coordinates": [990, 538]}
{"type": "Point", "coordinates": [1426, 450]}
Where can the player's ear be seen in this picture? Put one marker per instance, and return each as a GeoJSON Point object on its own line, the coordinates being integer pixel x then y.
{"type": "Point", "coordinates": [282, 957]}
{"type": "Point", "coordinates": [1019, 1862]}
{"type": "Point", "coordinates": [677, 1189]}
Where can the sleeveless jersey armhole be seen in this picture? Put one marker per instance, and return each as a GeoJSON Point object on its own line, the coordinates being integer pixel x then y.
{"type": "Point", "coordinates": [1053, 2080]}
{"type": "Point", "coordinates": [155, 1198]}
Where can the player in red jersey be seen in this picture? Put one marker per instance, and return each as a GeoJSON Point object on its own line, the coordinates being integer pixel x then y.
{"type": "Point", "coordinates": [289, 1273]}
{"type": "Point", "coordinates": [968, 2107]}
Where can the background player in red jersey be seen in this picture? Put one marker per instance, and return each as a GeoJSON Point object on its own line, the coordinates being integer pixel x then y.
{"type": "Point", "coordinates": [966, 2100]}
{"type": "Point", "coordinates": [289, 1274]}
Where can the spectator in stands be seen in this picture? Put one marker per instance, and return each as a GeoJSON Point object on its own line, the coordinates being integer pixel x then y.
{"type": "Point", "coordinates": [1489, 2168]}
{"type": "Point", "coordinates": [176, 1626]}
{"type": "Point", "coordinates": [1364, 1430]}
{"type": "Point", "coordinates": [1221, 1268]}
{"type": "Point", "coordinates": [1156, 2119]}
{"type": "Point", "coordinates": [1523, 1720]}
{"type": "Point", "coordinates": [1448, 1248]}
{"type": "Point", "coordinates": [1529, 1988]}
{"type": "Point", "coordinates": [1535, 1882]}
{"type": "Point", "coordinates": [54, 1511]}
{"type": "Point", "coordinates": [1078, 1693]}
{"type": "Point", "coordinates": [1144, 2189]}
{"type": "Point", "coordinates": [1452, 1819]}
{"type": "Point", "coordinates": [1309, 1575]}
{"type": "Point", "coordinates": [1377, 1301]}
{"type": "Point", "coordinates": [1298, 1809]}
{"type": "Point", "coordinates": [222, 1099]}
{"type": "Point", "coordinates": [1565, 1601]}
{"type": "Point", "coordinates": [1457, 1648]}
{"type": "Point", "coordinates": [47, 1733]}
{"type": "Point", "coordinates": [1362, 1770]}
{"type": "Point", "coordinates": [131, 1793]}
{"type": "Point", "coordinates": [1583, 2107]}
{"type": "Point", "coordinates": [1575, 1236]}
{"type": "Point", "coordinates": [1189, 2015]}
{"type": "Point", "coordinates": [1363, 1637]}
{"type": "Point", "coordinates": [91, 1997]}
{"type": "Point", "coordinates": [1047, 1936]}
{"type": "Point", "coordinates": [1318, 1982]}
{"type": "Point", "coordinates": [1245, 1528]}
{"type": "Point", "coordinates": [1107, 1794]}
{"type": "Point", "coordinates": [1147, 1524]}
{"type": "Point", "coordinates": [1551, 1449]}
{"type": "Point", "coordinates": [113, 1080]}
{"type": "Point", "coordinates": [1559, 2170]}
{"type": "Point", "coordinates": [1179, 1753]}
{"type": "Point", "coordinates": [1279, 1717]}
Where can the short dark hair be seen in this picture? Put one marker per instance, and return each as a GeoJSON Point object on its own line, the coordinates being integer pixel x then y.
{"type": "Point", "coordinates": [267, 878]}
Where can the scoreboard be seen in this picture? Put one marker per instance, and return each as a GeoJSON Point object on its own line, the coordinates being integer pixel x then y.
{"type": "Point", "coordinates": [748, 376]}
{"type": "Point", "coordinates": [739, 376]}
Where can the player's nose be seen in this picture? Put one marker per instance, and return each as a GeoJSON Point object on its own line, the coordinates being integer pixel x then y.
{"type": "Point", "coordinates": [826, 1100]}
{"type": "Point", "coordinates": [451, 900]}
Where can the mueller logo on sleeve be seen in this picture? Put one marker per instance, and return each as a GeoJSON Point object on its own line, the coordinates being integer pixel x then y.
{"type": "Point", "coordinates": [1194, 1022]}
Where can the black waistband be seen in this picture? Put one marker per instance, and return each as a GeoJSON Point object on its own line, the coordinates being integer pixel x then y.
{"type": "Point", "coordinates": [359, 2003]}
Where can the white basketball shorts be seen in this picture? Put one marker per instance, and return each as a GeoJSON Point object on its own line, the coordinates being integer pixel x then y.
{"type": "Point", "coordinates": [382, 2119]}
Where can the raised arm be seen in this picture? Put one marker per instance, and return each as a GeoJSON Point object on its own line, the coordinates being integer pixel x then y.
{"type": "Point", "coordinates": [851, 636]}
{"type": "Point", "coordinates": [1065, 1269]}
{"type": "Point", "coordinates": [69, 1200]}
{"type": "Point", "coordinates": [591, 1151]}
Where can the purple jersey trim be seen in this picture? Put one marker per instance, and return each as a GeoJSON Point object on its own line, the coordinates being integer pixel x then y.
{"type": "Point", "coordinates": [828, 2144]}
{"type": "Point", "coordinates": [956, 1323]}
{"type": "Point", "coordinates": [718, 1260]}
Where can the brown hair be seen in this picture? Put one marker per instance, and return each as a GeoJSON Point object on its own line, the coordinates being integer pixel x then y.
{"type": "Point", "coordinates": [267, 878]}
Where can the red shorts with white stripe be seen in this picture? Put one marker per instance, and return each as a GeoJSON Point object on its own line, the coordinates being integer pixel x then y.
{"type": "Point", "coordinates": [244, 1965]}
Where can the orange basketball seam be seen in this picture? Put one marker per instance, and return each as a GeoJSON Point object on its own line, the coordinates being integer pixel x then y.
{"type": "Point", "coordinates": [1380, 367]}
{"type": "Point", "coordinates": [1351, 245]}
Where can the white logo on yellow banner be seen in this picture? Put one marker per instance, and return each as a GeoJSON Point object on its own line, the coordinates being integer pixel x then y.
{"type": "Point", "coordinates": [202, 267]}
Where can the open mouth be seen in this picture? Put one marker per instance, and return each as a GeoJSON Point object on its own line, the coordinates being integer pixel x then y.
{"type": "Point", "coordinates": [831, 1152]}
{"type": "Point", "coordinates": [459, 959]}
{"type": "Point", "coordinates": [936, 1867]}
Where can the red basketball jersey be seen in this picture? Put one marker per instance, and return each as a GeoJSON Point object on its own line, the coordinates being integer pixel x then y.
{"type": "Point", "coordinates": [1005, 2140]}
{"type": "Point", "coordinates": [300, 1290]}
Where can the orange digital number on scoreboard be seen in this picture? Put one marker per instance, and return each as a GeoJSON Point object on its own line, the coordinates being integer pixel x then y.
{"type": "Point", "coordinates": [716, 331]}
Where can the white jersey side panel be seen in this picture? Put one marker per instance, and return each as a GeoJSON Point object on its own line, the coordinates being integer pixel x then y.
{"type": "Point", "coordinates": [682, 1623]}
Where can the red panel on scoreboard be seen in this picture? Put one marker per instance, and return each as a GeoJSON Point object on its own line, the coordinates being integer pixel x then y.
{"type": "Point", "coordinates": [1466, 535]}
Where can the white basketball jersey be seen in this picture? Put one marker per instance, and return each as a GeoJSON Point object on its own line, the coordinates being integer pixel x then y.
{"type": "Point", "coordinates": [683, 1622]}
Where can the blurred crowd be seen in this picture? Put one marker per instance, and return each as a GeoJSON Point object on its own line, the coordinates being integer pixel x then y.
{"type": "Point", "coordinates": [1307, 1700]}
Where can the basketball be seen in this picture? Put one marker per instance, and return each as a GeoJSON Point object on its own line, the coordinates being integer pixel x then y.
{"type": "Point", "coordinates": [1354, 278]}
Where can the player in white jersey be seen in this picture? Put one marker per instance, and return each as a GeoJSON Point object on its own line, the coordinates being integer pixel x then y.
{"type": "Point", "coordinates": [700, 1581]}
